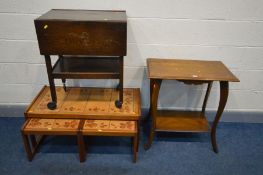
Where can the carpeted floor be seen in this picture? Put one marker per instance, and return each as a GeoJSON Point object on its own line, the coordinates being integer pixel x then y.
{"type": "Point", "coordinates": [240, 153]}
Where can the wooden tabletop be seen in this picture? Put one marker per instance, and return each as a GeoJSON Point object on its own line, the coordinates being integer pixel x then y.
{"type": "Point", "coordinates": [84, 15]}
{"type": "Point", "coordinates": [87, 103]}
{"type": "Point", "coordinates": [176, 69]}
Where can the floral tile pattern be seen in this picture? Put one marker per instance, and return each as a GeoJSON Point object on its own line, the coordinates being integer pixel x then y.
{"type": "Point", "coordinates": [87, 101]}
{"type": "Point", "coordinates": [109, 125]}
{"type": "Point", "coordinates": [73, 124]}
{"type": "Point", "coordinates": [46, 98]}
{"type": "Point", "coordinates": [96, 125]}
{"type": "Point", "coordinates": [98, 101]}
{"type": "Point", "coordinates": [122, 125]}
{"type": "Point", "coordinates": [52, 124]}
{"type": "Point", "coordinates": [128, 102]}
{"type": "Point", "coordinates": [75, 101]}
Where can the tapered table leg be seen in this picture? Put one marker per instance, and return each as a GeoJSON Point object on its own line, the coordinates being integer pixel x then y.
{"type": "Point", "coordinates": [64, 84]}
{"type": "Point", "coordinates": [27, 146]}
{"type": "Point", "coordinates": [81, 143]}
{"type": "Point", "coordinates": [82, 148]}
{"type": "Point", "coordinates": [51, 105]}
{"type": "Point", "coordinates": [138, 135]}
{"type": "Point", "coordinates": [118, 103]}
{"type": "Point", "coordinates": [222, 103]}
{"type": "Point", "coordinates": [156, 84]}
{"type": "Point", "coordinates": [33, 140]}
{"type": "Point", "coordinates": [135, 147]}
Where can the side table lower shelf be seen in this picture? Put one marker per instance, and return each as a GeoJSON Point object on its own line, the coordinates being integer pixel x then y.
{"type": "Point", "coordinates": [84, 67]}
{"type": "Point", "coordinates": [87, 67]}
{"type": "Point", "coordinates": [181, 121]}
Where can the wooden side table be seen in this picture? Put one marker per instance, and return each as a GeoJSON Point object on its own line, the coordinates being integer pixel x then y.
{"type": "Point", "coordinates": [90, 44]}
{"type": "Point", "coordinates": [189, 72]}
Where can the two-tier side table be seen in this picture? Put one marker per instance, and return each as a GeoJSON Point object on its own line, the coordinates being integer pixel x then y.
{"type": "Point", "coordinates": [90, 44]}
{"type": "Point", "coordinates": [189, 72]}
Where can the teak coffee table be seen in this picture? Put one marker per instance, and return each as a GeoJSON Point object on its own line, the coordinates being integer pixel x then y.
{"type": "Point", "coordinates": [189, 72]}
{"type": "Point", "coordinates": [82, 112]}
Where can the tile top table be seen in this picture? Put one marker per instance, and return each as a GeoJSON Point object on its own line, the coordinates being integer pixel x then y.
{"type": "Point", "coordinates": [82, 111]}
{"type": "Point", "coordinates": [189, 72]}
{"type": "Point", "coordinates": [86, 103]}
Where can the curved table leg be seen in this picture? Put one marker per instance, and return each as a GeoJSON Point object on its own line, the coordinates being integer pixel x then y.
{"type": "Point", "coordinates": [221, 106]}
{"type": "Point", "coordinates": [149, 112]}
{"type": "Point", "coordinates": [209, 86]}
{"type": "Point", "coordinates": [156, 84]}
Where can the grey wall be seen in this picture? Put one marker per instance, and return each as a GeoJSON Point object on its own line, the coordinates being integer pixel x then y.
{"type": "Point", "coordinates": [229, 31]}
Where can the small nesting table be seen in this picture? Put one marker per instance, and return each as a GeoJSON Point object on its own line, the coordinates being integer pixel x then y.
{"type": "Point", "coordinates": [33, 127]}
{"type": "Point", "coordinates": [79, 128]}
{"type": "Point", "coordinates": [190, 72]}
{"type": "Point", "coordinates": [113, 128]}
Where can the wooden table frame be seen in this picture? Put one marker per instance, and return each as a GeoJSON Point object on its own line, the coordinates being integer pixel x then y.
{"type": "Point", "coordinates": [38, 109]}
{"type": "Point", "coordinates": [58, 73]}
{"type": "Point", "coordinates": [31, 143]}
{"type": "Point", "coordinates": [32, 139]}
{"type": "Point", "coordinates": [133, 135]}
{"type": "Point", "coordinates": [155, 85]}
{"type": "Point", "coordinates": [93, 36]}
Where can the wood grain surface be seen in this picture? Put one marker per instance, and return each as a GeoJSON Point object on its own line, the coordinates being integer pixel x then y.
{"type": "Point", "coordinates": [189, 70]}
{"type": "Point", "coordinates": [181, 121]}
{"type": "Point", "coordinates": [82, 32]}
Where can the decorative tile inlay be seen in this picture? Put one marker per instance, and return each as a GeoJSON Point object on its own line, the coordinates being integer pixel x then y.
{"type": "Point", "coordinates": [122, 125]}
{"type": "Point", "coordinates": [128, 102]}
{"type": "Point", "coordinates": [76, 101]}
{"type": "Point", "coordinates": [42, 105]}
{"type": "Point", "coordinates": [96, 125]}
{"type": "Point", "coordinates": [86, 101]}
{"type": "Point", "coordinates": [109, 125]}
{"type": "Point", "coordinates": [52, 124]}
{"type": "Point", "coordinates": [98, 101]}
